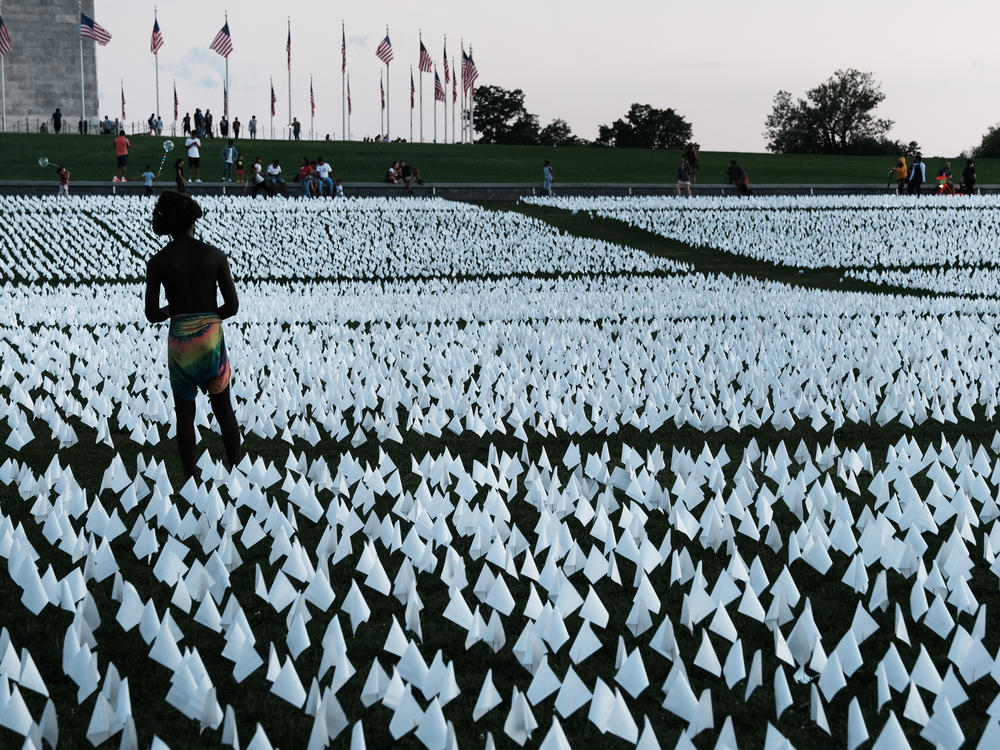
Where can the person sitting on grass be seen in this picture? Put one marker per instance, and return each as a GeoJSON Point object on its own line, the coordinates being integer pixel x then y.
{"type": "Point", "coordinates": [190, 273]}
{"type": "Point", "coordinates": [738, 176]}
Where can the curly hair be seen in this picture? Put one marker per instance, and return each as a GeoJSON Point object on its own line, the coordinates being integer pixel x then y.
{"type": "Point", "coordinates": [175, 213]}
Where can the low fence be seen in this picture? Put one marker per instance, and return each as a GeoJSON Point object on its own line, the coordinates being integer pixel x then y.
{"type": "Point", "coordinates": [474, 192]}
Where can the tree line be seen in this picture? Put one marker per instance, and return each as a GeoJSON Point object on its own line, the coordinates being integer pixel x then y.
{"type": "Point", "coordinates": [501, 117]}
{"type": "Point", "coordinates": [836, 117]}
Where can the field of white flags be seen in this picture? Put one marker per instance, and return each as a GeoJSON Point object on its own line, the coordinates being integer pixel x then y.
{"type": "Point", "coordinates": [506, 485]}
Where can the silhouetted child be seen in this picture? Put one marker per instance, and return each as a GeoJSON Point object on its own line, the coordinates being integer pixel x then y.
{"type": "Point", "coordinates": [239, 168]}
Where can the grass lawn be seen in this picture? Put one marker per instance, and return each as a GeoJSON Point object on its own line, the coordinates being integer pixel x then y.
{"type": "Point", "coordinates": [92, 158]}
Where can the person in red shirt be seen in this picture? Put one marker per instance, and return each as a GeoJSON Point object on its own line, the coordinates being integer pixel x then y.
{"type": "Point", "coordinates": [121, 151]}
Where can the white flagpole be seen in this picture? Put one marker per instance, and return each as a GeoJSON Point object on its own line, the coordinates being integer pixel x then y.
{"type": "Point", "coordinates": [420, 73]}
{"type": "Point", "coordinates": [312, 113]}
{"type": "Point", "coordinates": [435, 104]}
{"type": "Point", "coordinates": [381, 104]}
{"type": "Point", "coordinates": [343, 90]}
{"type": "Point", "coordinates": [348, 114]}
{"type": "Point", "coordinates": [226, 87]}
{"type": "Point", "coordinates": [445, 122]}
{"type": "Point", "coordinates": [472, 106]}
{"type": "Point", "coordinates": [289, 79]}
{"type": "Point", "coordinates": [388, 100]}
{"type": "Point", "coordinates": [156, 63]}
{"type": "Point", "coordinates": [454, 83]}
{"type": "Point", "coordinates": [83, 95]}
{"type": "Point", "coordinates": [411, 105]}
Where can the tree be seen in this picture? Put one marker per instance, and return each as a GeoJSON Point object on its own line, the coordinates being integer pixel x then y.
{"type": "Point", "coordinates": [834, 118]}
{"type": "Point", "coordinates": [500, 116]}
{"type": "Point", "coordinates": [645, 126]}
{"type": "Point", "coordinates": [557, 133]}
{"type": "Point", "coordinates": [989, 146]}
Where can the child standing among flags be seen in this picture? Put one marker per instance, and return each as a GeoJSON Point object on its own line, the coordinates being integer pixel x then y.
{"type": "Point", "coordinates": [63, 175]}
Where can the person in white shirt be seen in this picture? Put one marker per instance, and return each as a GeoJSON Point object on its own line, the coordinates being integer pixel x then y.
{"type": "Point", "coordinates": [193, 145]}
{"type": "Point", "coordinates": [325, 183]}
{"type": "Point", "coordinates": [274, 181]}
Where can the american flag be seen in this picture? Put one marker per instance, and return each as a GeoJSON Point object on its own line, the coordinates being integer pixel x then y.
{"type": "Point", "coordinates": [223, 43]}
{"type": "Point", "coordinates": [473, 71]}
{"type": "Point", "coordinates": [93, 30]}
{"type": "Point", "coordinates": [384, 51]}
{"type": "Point", "coordinates": [343, 49]}
{"type": "Point", "coordinates": [274, 99]}
{"type": "Point", "coordinates": [447, 70]}
{"type": "Point", "coordinates": [157, 39]}
{"type": "Point", "coordinates": [123, 106]}
{"type": "Point", "coordinates": [5, 45]}
{"type": "Point", "coordinates": [288, 45]}
{"type": "Point", "coordinates": [176, 104]}
{"type": "Point", "coordinates": [413, 90]}
{"type": "Point", "coordinates": [454, 85]}
{"type": "Point", "coordinates": [425, 59]}
{"type": "Point", "coordinates": [312, 99]}
{"type": "Point", "coordinates": [465, 72]}
{"type": "Point", "coordinates": [348, 95]}
{"type": "Point", "coordinates": [438, 88]}
{"type": "Point", "coordinates": [381, 90]}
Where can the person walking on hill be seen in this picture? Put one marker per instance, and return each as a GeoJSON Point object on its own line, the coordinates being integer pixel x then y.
{"type": "Point", "coordinates": [969, 178]}
{"type": "Point", "coordinates": [190, 273]}
{"type": "Point", "coordinates": [236, 127]}
{"type": "Point", "coordinates": [691, 155]}
{"type": "Point", "coordinates": [186, 123]}
{"type": "Point", "coordinates": [57, 119]}
{"type": "Point", "coordinates": [547, 177]}
{"type": "Point", "coordinates": [899, 173]}
{"type": "Point", "coordinates": [252, 128]}
{"type": "Point", "coordinates": [918, 175]}
{"type": "Point", "coordinates": [121, 155]}
{"type": "Point", "coordinates": [296, 128]}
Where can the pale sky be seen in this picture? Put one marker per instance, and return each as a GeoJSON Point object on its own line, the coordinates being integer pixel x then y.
{"type": "Point", "coordinates": [717, 62]}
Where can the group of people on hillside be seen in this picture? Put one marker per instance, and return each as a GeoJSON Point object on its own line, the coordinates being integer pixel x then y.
{"type": "Point", "coordinates": [203, 125]}
{"type": "Point", "coordinates": [910, 180]}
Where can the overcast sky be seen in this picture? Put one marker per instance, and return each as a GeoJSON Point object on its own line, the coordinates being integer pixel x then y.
{"type": "Point", "coordinates": [717, 62]}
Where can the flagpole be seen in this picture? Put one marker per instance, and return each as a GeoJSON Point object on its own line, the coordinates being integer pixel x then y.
{"type": "Point", "coordinates": [388, 99]}
{"type": "Point", "coordinates": [226, 85]}
{"type": "Point", "coordinates": [454, 83]}
{"type": "Point", "coordinates": [462, 99]}
{"type": "Point", "coordinates": [343, 72]}
{"type": "Point", "coordinates": [381, 124]}
{"type": "Point", "coordinates": [83, 95]}
{"type": "Point", "coordinates": [420, 73]}
{"type": "Point", "coordinates": [348, 114]}
{"type": "Point", "coordinates": [472, 104]}
{"type": "Point", "coordinates": [289, 77]}
{"type": "Point", "coordinates": [445, 119]}
{"type": "Point", "coordinates": [271, 108]}
{"type": "Point", "coordinates": [411, 104]}
{"type": "Point", "coordinates": [312, 110]}
{"type": "Point", "coordinates": [156, 63]}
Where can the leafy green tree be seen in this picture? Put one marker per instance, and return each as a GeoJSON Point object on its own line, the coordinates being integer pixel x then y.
{"type": "Point", "coordinates": [989, 146]}
{"type": "Point", "coordinates": [500, 117]}
{"type": "Point", "coordinates": [557, 133]}
{"type": "Point", "coordinates": [836, 117]}
{"type": "Point", "coordinates": [645, 126]}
